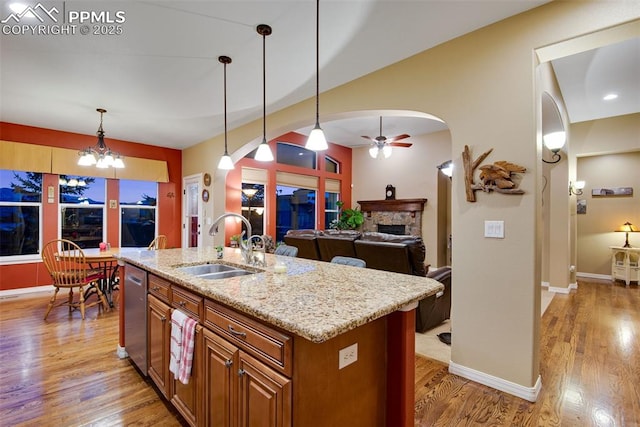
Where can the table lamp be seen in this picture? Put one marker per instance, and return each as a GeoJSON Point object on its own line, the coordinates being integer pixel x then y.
{"type": "Point", "coordinates": [627, 227]}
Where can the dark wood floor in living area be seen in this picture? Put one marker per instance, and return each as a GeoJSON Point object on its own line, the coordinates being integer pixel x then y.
{"type": "Point", "coordinates": [65, 372]}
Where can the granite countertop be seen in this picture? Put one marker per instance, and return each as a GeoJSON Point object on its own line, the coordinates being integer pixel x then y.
{"type": "Point", "coordinates": [313, 299]}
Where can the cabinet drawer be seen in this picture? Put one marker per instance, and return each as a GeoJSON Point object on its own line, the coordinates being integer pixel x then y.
{"type": "Point", "coordinates": [188, 302]}
{"type": "Point", "coordinates": [159, 288]}
{"type": "Point", "coordinates": [269, 345]}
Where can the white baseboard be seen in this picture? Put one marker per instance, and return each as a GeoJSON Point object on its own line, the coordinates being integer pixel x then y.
{"type": "Point", "coordinates": [22, 291]}
{"type": "Point", "coordinates": [526, 393]}
{"type": "Point", "coordinates": [121, 352]}
{"type": "Point", "coordinates": [545, 284]}
{"type": "Point", "coordinates": [594, 276]}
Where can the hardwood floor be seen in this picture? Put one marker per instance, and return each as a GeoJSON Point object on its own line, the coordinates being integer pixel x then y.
{"type": "Point", "coordinates": [65, 372]}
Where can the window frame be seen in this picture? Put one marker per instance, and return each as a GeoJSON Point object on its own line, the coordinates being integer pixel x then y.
{"type": "Point", "coordinates": [26, 258]}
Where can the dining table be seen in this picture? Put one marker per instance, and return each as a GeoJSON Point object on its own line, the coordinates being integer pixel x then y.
{"type": "Point", "coordinates": [105, 261]}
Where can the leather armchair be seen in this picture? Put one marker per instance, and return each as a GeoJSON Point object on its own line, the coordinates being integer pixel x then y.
{"type": "Point", "coordinates": [435, 309]}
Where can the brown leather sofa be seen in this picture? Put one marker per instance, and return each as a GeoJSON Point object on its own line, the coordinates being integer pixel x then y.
{"type": "Point", "coordinates": [306, 241]}
{"type": "Point", "coordinates": [333, 243]}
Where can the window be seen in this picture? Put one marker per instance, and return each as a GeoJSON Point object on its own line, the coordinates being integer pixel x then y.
{"type": "Point", "coordinates": [20, 213]}
{"type": "Point", "coordinates": [331, 165]}
{"type": "Point", "coordinates": [295, 155]}
{"type": "Point", "coordinates": [82, 209]}
{"type": "Point", "coordinates": [295, 210]}
{"type": "Point", "coordinates": [331, 210]}
{"type": "Point", "coordinates": [253, 206]}
{"type": "Point", "coordinates": [138, 200]}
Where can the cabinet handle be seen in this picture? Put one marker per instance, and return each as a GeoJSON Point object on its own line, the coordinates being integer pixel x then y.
{"type": "Point", "coordinates": [163, 318]}
{"type": "Point", "coordinates": [241, 372]}
{"type": "Point", "coordinates": [155, 288]}
{"type": "Point", "coordinates": [182, 303]}
{"type": "Point", "coordinates": [237, 333]}
{"type": "Point", "coordinates": [228, 363]}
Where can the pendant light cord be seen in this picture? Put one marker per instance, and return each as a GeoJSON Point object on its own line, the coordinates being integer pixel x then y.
{"type": "Point", "coordinates": [226, 153]}
{"type": "Point", "coordinates": [264, 88]}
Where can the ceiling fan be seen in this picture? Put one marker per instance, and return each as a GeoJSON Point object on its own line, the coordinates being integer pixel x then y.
{"type": "Point", "coordinates": [381, 147]}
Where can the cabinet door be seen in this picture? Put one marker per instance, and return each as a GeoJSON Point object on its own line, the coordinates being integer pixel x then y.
{"type": "Point", "coordinates": [186, 397]}
{"type": "Point", "coordinates": [159, 341]}
{"type": "Point", "coordinates": [265, 395]}
{"type": "Point", "coordinates": [220, 381]}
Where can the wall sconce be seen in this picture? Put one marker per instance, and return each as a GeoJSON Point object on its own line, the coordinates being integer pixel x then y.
{"type": "Point", "coordinates": [554, 141]}
{"type": "Point", "coordinates": [627, 228]}
{"type": "Point", "coordinates": [576, 188]}
{"type": "Point", "coordinates": [446, 168]}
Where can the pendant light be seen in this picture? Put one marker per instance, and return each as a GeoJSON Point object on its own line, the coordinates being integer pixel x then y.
{"type": "Point", "coordinates": [317, 141]}
{"type": "Point", "coordinates": [264, 153]}
{"type": "Point", "coordinates": [225, 162]}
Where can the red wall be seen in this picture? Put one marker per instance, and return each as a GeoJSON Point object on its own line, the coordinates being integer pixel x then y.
{"type": "Point", "coordinates": [16, 276]}
{"type": "Point", "coordinates": [234, 182]}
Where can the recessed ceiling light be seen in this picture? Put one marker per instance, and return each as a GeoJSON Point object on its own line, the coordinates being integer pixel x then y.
{"type": "Point", "coordinates": [610, 96]}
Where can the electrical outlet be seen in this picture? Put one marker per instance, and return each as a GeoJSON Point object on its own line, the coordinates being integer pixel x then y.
{"type": "Point", "coordinates": [347, 356]}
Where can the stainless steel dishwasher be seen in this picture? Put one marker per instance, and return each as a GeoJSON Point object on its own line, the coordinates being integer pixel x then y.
{"type": "Point", "coordinates": [135, 316]}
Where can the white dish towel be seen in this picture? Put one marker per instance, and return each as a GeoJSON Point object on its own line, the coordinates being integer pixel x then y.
{"type": "Point", "coordinates": [178, 320]}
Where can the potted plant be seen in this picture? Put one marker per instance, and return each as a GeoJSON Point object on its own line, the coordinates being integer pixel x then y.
{"type": "Point", "coordinates": [235, 241]}
{"type": "Point", "coordinates": [348, 219]}
{"type": "Point", "coordinates": [219, 251]}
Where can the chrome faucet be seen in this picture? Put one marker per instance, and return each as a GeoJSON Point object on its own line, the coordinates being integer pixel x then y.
{"type": "Point", "coordinates": [246, 249]}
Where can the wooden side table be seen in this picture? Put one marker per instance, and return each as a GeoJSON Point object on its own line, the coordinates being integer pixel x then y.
{"type": "Point", "coordinates": [625, 264]}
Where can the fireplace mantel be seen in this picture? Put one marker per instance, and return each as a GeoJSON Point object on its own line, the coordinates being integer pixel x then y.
{"type": "Point", "coordinates": [400, 205]}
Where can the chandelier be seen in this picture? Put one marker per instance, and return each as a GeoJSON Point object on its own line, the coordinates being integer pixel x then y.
{"type": "Point", "coordinates": [101, 155]}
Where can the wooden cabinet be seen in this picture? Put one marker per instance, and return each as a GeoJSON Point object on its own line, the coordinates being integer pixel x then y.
{"type": "Point", "coordinates": [246, 373]}
{"type": "Point", "coordinates": [220, 384]}
{"type": "Point", "coordinates": [264, 395]}
{"type": "Point", "coordinates": [239, 389]}
{"type": "Point", "coordinates": [159, 343]}
{"type": "Point", "coordinates": [187, 398]}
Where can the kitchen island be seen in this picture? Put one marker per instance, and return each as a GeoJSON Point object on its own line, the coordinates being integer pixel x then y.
{"type": "Point", "coordinates": [316, 343]}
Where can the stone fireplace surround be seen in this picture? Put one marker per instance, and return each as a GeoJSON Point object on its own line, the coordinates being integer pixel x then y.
{"type": "Point", "coordinates": [407, 212]}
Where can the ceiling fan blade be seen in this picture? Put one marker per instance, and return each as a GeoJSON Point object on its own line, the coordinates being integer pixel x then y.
{"type": "Point", "coordinates": [369, 138]}
{"type": "Point", "coordinates": [400, 144]}
{"type": "Point", "coordinates": [398, 137]}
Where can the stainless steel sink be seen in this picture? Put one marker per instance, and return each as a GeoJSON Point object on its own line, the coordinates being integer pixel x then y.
{"type": "Point", "coordinates": [198, 270]}
{"type": "Point", "coordinates": [214, 271]}
{"type": "Point", "coordinates": [225, 274]}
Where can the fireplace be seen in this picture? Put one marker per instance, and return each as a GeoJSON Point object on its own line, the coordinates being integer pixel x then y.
{"type": "Point", "coordinates": [403, 216]}
{"type": "Point", "coordinates": [399, 229]}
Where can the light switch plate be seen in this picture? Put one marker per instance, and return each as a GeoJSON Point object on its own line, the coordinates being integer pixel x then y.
{"type": "Point", "coordinates": [494, 229]}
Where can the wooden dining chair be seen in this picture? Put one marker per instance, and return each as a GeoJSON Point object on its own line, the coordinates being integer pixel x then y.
{"type": "Point", "coordinates": [160, 242]}
{"type": "Point", "coordinates": [67, 266]}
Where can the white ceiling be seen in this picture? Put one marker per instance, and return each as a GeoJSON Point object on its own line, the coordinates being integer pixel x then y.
{"type": "Point", "coordinates": [162, 84]}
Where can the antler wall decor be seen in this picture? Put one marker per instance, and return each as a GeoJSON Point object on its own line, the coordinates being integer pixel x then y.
{"type": "Point", "coordinates": [498, 177]}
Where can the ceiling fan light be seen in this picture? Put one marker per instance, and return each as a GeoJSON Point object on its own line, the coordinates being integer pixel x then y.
{"type": "Point", "coordinates": [226, 163]}
{"type": "Point", "coordinates": [317, 141]}
{"type": "Point", "coordinates": [373, 152]}
{"type": "Point", "coordinates": [386, 151]}
{"type": "Point", "coordinates": [264, 153]}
